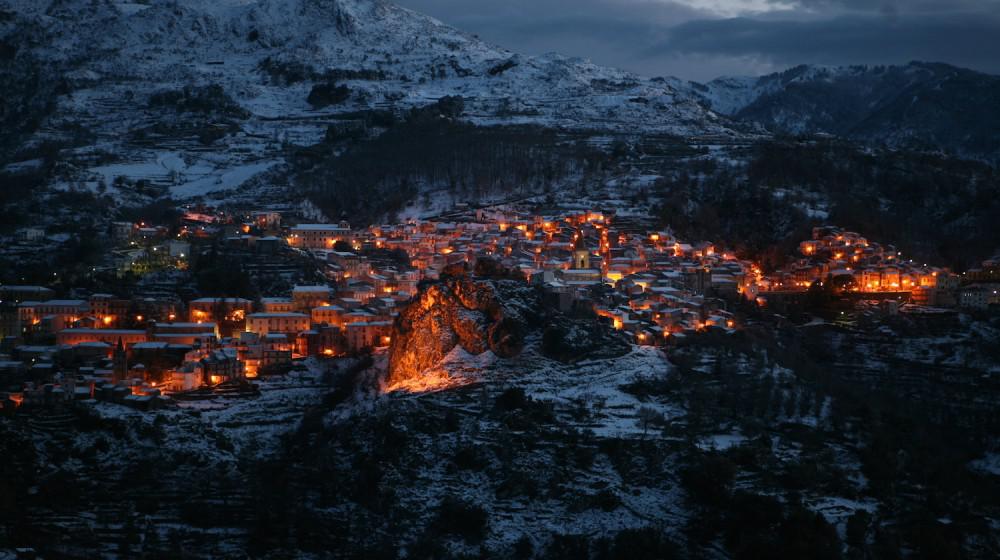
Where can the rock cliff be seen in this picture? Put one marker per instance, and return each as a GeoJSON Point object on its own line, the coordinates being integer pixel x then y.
{"type": "Point", "coordinates": [476, 314]}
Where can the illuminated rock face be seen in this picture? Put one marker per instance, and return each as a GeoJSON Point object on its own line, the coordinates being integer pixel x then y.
{"type": "Point", "coordinates": [458, 312]}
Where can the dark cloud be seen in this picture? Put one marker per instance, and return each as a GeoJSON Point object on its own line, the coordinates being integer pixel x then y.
{"type": "Point", "coordinates": [698, 39]}
{"type": "Point", "coordinates": [897, 6]}
{"type": "Point", "coordinates": [844, 40]}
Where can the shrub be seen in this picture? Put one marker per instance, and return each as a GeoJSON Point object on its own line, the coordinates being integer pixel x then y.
{"type": "Point", "coordinates": [471, 457]}
{"type": "Point", "coordinates": [512, 399]}
{"type": "Point", "coordinates": [199, 99]}
{"type": "Point", "coordinates": [709, 479]}
{"type": "Point", "coordinates": [460, 518]}
{"type": "Point", "coordinates": [328, 93]}
{"type": "Point", "coordinates": [634, 544]}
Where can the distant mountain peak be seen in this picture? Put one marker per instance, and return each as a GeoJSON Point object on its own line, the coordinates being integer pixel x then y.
{"type": "Point", "coordinates": [920, 104]}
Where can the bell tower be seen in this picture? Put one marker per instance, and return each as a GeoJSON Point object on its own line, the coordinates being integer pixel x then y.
{"type": "Point", "coordinates": [120, 363]}
{"type": "Point", "coordinates": [581, 254]}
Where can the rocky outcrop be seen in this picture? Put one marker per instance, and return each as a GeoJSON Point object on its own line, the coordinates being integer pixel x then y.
{"type": "Point", "coordinates": [476, 314]}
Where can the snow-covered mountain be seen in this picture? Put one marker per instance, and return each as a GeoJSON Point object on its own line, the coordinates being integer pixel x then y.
{"type": "Point", "coordinates": [921, 105]}
{"type": "Point", "coordinates": [104, 81]}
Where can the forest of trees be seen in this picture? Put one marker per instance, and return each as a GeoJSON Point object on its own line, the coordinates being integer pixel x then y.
{"type": "Point", "coordinates": [427, 151]}
{"type": "Point", "coordinates": [938, 209]}
{"type": "Point", "coordinates": [913, 447]}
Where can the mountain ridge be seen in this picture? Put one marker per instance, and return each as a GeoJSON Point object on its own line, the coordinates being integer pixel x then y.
{"type": "Point", "coordinates": [83, 78]}
{"type": "Point", "coordinates": [109, 59]}
{"type": "Point", "coordinates": [920, 105]}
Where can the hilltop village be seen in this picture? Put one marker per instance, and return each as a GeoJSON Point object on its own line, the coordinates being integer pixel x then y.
{"type": "Point", "coordinates": [845, 264]}
{"type": "Point", "coordinates": [347, 286]}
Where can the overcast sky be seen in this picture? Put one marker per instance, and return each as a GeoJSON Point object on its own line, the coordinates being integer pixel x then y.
{"type": "Point", "coordinates": [703, 39]}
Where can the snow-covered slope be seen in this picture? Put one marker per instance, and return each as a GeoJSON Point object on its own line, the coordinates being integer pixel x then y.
{"type": "Point", "coordinates": [729, 95]}
{"type": "Point", "coordinates": [922, 105]}
{"type": "Point", "coordinates": [110, 57]}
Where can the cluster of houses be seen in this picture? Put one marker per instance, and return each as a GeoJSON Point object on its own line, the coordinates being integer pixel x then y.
{"type": "Point", "coordinates": [646, 283]}
{"type": "Point", "coordinates": [642, 281]}
{"type": "Point", "coordinates": [101, 341]}
{"type": "Point", "coordinates": [145, 248]}
{"type": "Point", "coordinates": [867, 269]}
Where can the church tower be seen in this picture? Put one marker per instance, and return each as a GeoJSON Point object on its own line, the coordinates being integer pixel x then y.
{"type": "Point", "coordinates": [581, 254]}
{"type": "Point", "coordinates": [120, 363]}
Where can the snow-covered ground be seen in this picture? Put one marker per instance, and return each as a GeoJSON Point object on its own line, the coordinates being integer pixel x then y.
{"type": "Point", "coordinates": [254, 425]}
{"type": "Point", "coordinates": [594, 383]}
{"type": "Point", "coordinates": [117, 54]}
{"type": "Point", "coordinates": [593, 386]}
